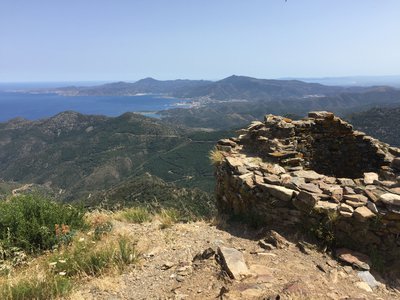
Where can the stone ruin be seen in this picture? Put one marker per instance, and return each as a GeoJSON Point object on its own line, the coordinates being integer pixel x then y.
{"type": "Point", "coordinates": [317, 173]}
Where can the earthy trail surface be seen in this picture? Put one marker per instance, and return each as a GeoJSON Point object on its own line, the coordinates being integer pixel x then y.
{"type": "Point", "coordinates": [168, 271]}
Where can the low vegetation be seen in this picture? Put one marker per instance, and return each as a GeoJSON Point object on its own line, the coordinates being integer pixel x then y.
{"type": "Point", "coordinates": [34, 224]}
{"type": "Point", "coordinates": [135, 215]}
{"type": "Point", "coordinates": [169, 217]}
{"type": "Point", "coordinates": [153, 194]}
{"type": "Point", "coordinates": [381, 123]}
{"type": "Point", "coordinates": [216, 157]}
{"type": "Point", "coordinates": [47, 247]}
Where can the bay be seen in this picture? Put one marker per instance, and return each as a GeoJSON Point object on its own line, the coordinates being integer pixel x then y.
{"type": "Point", "coordinates": [38, 106]}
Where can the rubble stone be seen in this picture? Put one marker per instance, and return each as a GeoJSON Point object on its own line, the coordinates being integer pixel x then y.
{"type": "Point", "coordinates": [233, 262]}
{"type": "Point", "coordinates": [293, 173]}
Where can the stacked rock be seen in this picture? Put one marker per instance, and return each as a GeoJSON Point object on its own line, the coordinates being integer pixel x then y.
{"type": "Point", "coordinates": [311, 172]}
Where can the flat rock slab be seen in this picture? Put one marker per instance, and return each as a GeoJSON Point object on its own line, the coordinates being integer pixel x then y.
{"type": "Point", "coordinates": [391, 199]}
{"type": "Point", "coordinates": [308, 175]}
{"type": "Point", "coordinates": [262, 273]}
{"type": "Point", "coordinates": [326, 206]}
{"type": "Point", "coordinates": [310, 187]}
{"type": "Point", "coordinates": [233, 262]}
{"type": "Point", "coordinates": [234, 161]}
{"type": "Point", "coordinates": [356, 198]}
{"type": "Point", "coordinates": [321, 115]}
{"type": "Point", "coordinates": [356, 259]}
{"type": "Point", "coordinates": [279, 192]}
{"type": "Point", "coordinates": [363, 213]}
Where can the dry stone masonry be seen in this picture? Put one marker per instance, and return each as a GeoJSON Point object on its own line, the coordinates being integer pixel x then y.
{"type": "Point", "coordinates": [317, 173]}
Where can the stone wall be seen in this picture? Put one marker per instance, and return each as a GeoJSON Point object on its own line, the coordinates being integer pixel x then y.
{"type": "Point", "coordinates": [317, 173]}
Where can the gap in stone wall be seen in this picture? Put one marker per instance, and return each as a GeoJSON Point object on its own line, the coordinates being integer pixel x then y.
{"type": "Point", "coordinates": [341, 156]}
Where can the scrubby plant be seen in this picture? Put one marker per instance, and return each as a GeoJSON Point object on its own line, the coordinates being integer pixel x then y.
{"type": "Point", "coordinates": [34, 223]}
{"type": "Point", "coordinates": [56, 273]}
{"type": "Point", "coordinates": [168, 217]}
{"type": "Point", "coordinates": [324, 227]}
{"type": "Point", "coordinates": [86, 258]}
{"type": "Point", "coordinates": [135, 215]}
{"type": "Point", "coordinates": [216, 157]}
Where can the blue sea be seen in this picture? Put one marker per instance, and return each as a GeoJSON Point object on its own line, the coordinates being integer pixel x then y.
{"type": "Point", "coordinates": [38, 106]}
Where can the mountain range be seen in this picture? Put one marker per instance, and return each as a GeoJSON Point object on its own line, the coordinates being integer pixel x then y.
{"type": "Point", "coordinates": [84, 156]}
{"type": "Point", "coordinates": [224, 115]}
{"type": "Point", "coordinates": [230, 88]}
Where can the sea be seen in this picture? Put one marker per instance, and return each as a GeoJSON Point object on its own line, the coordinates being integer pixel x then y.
{"type": "Point", "coordinates": [38, 106]}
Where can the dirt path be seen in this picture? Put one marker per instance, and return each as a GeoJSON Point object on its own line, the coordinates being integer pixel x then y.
{"type": "Point", "coordinates": [23, 188]}
{"type": "Point", "coordinates": [167, 270]}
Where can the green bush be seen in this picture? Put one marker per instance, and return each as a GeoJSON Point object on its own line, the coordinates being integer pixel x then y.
{"type": "Point", "coordinates": [34, 223]}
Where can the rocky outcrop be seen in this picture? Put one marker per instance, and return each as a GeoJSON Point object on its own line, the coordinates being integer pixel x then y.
{"type": "Point", "coordinates": [318, 173]}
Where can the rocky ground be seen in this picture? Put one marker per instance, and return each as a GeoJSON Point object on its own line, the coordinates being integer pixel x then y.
{"type": "Point", "coordinates": [179, 263]}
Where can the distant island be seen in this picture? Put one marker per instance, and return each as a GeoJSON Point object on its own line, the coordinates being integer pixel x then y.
{"type": "Point", "coordinates": [232, 87]}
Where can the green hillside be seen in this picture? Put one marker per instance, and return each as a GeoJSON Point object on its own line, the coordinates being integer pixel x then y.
{"type": "Point", "coordinates": [78, 154]}
{"type": "Point", "coordinates": [382, 123]}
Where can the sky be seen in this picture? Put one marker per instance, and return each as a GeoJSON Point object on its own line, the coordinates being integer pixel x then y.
{"type": "Point", "coordinates": [108, 40]}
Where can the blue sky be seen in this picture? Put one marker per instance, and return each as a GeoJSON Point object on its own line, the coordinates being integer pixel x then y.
{"type": "Point", "coordinates": [55, 40]}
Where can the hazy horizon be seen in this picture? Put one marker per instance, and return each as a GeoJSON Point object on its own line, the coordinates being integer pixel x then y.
{"type": "Point", "coordinates": [391, 80]}
{"type": "Point", "coordinates": [75, 41]}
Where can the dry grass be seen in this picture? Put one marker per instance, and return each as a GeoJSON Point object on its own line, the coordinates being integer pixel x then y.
{"type": "Point", "coordinates": [216, 157]}
{"type": "Point", "coordinates": [168, 217]}
{"type": "Point", "coordinates": [134, 215]}
{"type": "Point", "coordinates": [90, 254]}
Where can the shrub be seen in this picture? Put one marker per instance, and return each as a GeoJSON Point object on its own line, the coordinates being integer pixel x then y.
{"type": "Point", "coordinates": [34, 223]}
{"type": "Point", "coordinates": [168, 217]}
{"type": "Point", "coordinates": [136, 215]}
{"type": "Point", "coordinates": [216, 156]}
{"type": "Point", "coordinates": [100, 222]}
{"type": "Point", "coordinates": [84, 258]}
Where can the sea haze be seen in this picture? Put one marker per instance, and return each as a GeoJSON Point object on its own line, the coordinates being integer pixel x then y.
{"type": "Point", "coordinates": [37, 106]}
